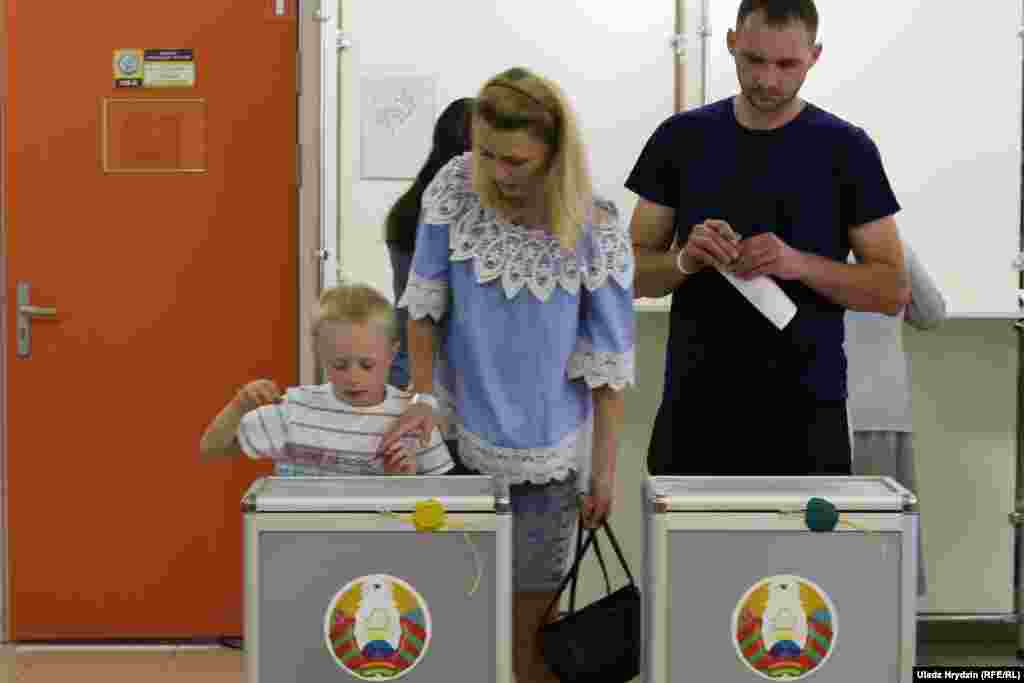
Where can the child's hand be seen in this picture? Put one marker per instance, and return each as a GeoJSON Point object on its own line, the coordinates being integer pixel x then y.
{"type": "Point", "coordinates": [257, 393]}
{"type": "Point", "coordinates": [403, 460]}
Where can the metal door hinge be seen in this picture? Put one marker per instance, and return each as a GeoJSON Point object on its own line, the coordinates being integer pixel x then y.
{"type": "Point", "coordinates": [678, 43]}
{"type": "Point", "coordinates": [343, 41]}
{"type": "Point", "coordinates": [321, 16]}
{"type": "Point", "coordinates": [1016, 518]}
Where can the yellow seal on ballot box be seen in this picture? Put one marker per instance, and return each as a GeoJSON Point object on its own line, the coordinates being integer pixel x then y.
{"type": "Point", "coordinates": [429, 515]}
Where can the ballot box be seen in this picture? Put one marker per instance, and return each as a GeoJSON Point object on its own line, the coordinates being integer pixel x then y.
{"type": "Point", "coordinates": [779, 578]}
{"type": "Point", "coordinates": [377, 578]}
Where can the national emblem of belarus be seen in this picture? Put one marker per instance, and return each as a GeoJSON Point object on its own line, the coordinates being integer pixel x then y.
{"type": "Point", "coordinates": [784, 627]}
{"type": "Point", "coordinates": [377, 627]}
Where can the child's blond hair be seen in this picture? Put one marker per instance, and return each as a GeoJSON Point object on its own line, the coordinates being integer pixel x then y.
{"type": "Point", "coordinates": [354, 303]}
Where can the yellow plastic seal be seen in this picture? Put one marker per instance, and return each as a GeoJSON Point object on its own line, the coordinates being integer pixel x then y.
{"type": "Point", "coordinates": [429, 515]}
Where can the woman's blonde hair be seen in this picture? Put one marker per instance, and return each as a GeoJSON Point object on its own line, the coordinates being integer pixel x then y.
{"type": "Point", "coordinates": [518, 99]}
{"type": "Point", "coordinates": [354, 303]}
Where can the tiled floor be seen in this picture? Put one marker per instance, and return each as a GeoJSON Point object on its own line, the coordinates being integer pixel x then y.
{"type": "Point", "coordinates": [222, 665]}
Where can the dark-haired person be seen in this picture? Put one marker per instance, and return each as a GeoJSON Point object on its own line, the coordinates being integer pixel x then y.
{"type": "Point", "coordinates": [451, 138]}
{"type": "Point", "coordinates": [762, 184]}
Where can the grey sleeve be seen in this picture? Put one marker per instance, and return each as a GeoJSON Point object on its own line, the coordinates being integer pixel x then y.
{"type": "Point", "coordinates": [927, 307]}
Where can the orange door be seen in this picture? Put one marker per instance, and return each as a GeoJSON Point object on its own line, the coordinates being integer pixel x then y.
{"type": "Point", "coordinates": [171, 290]}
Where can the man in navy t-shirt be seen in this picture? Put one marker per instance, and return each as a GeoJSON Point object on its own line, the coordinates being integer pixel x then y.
{"type": "Point", "coordinates": [762, 184]}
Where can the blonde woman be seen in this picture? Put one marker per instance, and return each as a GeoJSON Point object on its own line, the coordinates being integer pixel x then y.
{"type": "Point", "coordinates": [535, 276]}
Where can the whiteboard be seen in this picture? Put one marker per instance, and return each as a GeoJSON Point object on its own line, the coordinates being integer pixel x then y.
{"type": "Point", "coordinates": [615, 62]}
{"type": "Point", "coordinates": [937, 85]}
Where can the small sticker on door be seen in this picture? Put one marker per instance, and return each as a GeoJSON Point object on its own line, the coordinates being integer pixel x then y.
{"type": "Point", "coordinates": [377, 627]}
{"type": "Point", "coordinates": [154, 68]}
{"type": "Point", "coordinates": [168, 69]}
{"type": "Point", "coordinates": [128, 68]}
{"type": "Point", "coordinates": [784, 627]}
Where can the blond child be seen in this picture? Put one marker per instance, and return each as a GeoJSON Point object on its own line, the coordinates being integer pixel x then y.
{"type": "Point", "coordinates": [332, 428]}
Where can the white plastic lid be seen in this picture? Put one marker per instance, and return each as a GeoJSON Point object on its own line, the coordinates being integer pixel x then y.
{"type": "Point", "coordinates": [369, 494]}
{"type": "Point", "coordinates": [778, 493]}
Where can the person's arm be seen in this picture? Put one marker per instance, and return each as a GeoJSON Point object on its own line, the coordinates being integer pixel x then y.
{"type": "Point", "coordinates": [927, 307]}
{"type": "Point", "coordinates": [658, 258]}
{"type": "Point", "coordinates": [221, 437]}
{"type": "Point", "coordinates": [656, 273]}
{"type": "Point", "coordinates": [426, 297]}
{"type": "Point", "coordinates": [876, 283]}
{"type": "Point", "coordinates": [604, 358]}
{"type": "Point", "coordinates": [421, 336]}
{"type": "Point", "coordinates": [608, 410]}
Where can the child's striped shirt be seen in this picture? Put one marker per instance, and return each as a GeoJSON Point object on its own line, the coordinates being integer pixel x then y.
{"type": "Point", "coordinates": [312, 433]}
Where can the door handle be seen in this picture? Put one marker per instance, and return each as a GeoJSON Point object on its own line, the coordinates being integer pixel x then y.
{"type": "Point", "coordinates": [38, 311]}
{"type": "Point", "coordinates": [26, 312]}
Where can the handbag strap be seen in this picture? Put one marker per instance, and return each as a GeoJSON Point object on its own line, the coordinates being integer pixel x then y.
{"type": "Point", "coordinates": [604, 571]}
{"type": "Point", "coordinates": [573, 573]}
{"type": "Point", "coordinates": [579, 548]}
{"type": "Point", "coordinates": [618, 551]}
{"type": "Point", "coordinates": [600, 561]}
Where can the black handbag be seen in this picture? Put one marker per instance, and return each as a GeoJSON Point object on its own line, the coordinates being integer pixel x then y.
{"type": "Point", "coordinates": [600, 642]}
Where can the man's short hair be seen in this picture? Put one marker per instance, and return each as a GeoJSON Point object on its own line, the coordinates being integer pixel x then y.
{"type": "Point", "coordinates": [781, 12]}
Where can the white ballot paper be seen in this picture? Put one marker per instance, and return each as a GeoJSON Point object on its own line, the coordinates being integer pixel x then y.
{"type": "Point", "coordinates": [766, 296]}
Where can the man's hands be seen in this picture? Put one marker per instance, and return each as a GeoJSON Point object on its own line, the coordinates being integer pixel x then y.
{"type": "Point", "coordinates": [710, 244]}
{"type": "Point", "coordinates": [715, 244]}
{"type": "Point", "coordinates": [766, 254]}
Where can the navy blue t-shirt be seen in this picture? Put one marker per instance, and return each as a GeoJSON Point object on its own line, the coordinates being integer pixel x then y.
{"type": "Point", "coordinates": [809, 181]}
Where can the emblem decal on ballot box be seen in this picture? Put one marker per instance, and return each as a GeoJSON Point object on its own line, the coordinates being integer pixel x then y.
{"type": "Point", "coordinates": [377, 627]}
{"type": "Point", "coordinates": [784, 627]}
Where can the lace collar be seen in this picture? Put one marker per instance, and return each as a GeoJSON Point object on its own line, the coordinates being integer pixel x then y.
{"type": "Point", "coordinates": [521, 256]}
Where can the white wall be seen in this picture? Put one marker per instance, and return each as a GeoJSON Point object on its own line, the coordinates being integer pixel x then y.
{"type": "Point", "coordinates": [964, 378]}
{"type": "Point", "coordinates": [613, 60]}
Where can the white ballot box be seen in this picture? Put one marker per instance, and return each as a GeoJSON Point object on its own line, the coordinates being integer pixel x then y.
{"type": "Point", "coordinates": [779, 578]}
{"type": "Point", "coordinates": [375, 578]}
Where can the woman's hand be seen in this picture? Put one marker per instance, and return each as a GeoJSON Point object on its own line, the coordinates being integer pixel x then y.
{"type": "Point", "coordinates": [596, 507]}
{"type": "Point", "coordinates": [419, 419]}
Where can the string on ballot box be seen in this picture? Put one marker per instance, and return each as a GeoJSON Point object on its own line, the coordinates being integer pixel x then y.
{"type": "Point", "coordinates": [430, 516]}
{"type": "Point", "coordinates": [821, 515]}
